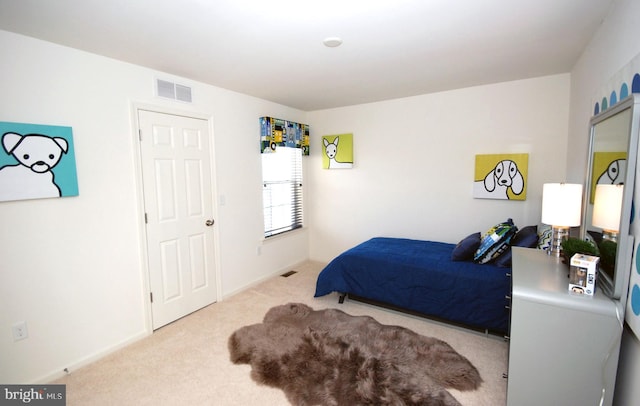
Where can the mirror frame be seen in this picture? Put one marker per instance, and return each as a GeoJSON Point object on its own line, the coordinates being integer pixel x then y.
{"type": "Point", "coordinates": [624, 251]}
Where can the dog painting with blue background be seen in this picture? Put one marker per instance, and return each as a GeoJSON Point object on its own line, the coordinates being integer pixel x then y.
{"type": "Point", "coordinates": [38, 162]}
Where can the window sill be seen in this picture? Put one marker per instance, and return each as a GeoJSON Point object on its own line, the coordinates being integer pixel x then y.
{"type": "Point", "coordinates": [286, 234]}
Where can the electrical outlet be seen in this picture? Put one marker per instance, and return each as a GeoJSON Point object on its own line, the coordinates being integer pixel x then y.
{"type": "Point", "coordinates": [20, 331]}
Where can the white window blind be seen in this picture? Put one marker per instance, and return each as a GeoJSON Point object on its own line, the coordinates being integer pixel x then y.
{"type": "Point", "coordinates": [282, 190]}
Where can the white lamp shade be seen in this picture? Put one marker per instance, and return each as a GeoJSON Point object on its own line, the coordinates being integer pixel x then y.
{"type": "Point", "coordinates": [607, 206]}
{"type": "Point", "coordinates": [561, 204]}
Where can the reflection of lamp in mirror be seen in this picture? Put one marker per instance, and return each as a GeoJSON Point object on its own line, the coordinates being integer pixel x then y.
{"type": "Point", "coordinates": [561, 208]}
{"type": "Point", "coordinates": [607, 206]}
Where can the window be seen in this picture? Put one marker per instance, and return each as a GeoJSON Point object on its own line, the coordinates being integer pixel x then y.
{"type": "Point", "coordinates": [282, 190]}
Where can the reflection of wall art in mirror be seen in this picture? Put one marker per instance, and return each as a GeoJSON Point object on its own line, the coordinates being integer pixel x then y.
{"type": "Point", "coordinates": [501, 176]}
{"type": "Point", "coordinates": [609, 168]}
{"type": "Point", "coordinates": [38, 162]}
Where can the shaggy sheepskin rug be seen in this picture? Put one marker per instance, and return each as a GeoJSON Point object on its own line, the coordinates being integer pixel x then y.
{"type": "Point", "coordinates": [327, 357]}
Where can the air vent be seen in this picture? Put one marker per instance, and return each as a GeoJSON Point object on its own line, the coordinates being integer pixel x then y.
{"type": "Point", "coordinates": [173, 91]}
{"type": "Point", "coordinates": [183, 93]}
{"type": "Point", "coordinates": [288, 274]}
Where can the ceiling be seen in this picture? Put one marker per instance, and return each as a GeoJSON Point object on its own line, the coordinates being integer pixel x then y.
{"type": "Point", "coordinates": [273, 49]}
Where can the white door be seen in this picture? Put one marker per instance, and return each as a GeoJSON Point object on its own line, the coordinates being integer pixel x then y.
{"type": "Point", "coordinates": [177, 183]}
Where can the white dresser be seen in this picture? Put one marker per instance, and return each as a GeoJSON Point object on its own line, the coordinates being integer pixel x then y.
{"type": "Point", "coordinates": [563, 348]}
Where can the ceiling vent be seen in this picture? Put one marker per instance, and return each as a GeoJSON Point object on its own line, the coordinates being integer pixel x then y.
{"type": "Point", "coordinates": [173, 91]}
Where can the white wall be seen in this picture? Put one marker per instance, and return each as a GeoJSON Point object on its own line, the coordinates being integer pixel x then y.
{"type": "Point", "coordinates": [72, 267]}
{"type": "Point", "coordinates": [414, 162]}
{"type": "Point", "coordinates": [614, 46]}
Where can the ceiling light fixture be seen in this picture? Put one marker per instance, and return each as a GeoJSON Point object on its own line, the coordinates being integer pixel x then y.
{"type": "Point", "coordinates": [332, 42]}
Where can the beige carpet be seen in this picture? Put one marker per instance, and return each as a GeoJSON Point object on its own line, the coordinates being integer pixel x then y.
{"type": "Point", "coordinates": [187, 362]}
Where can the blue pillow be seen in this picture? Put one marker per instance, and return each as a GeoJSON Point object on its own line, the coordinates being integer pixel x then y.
{"type": "Point", "coordinates": [465, 249]}
{"type": "Point", "coordinates": [495, 242]}
{"type": "Point", "coordinates": [527, 237]}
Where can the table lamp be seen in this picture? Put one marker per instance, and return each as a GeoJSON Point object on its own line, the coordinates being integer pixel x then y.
{"type": "Point", "coordinates": [561, 209]}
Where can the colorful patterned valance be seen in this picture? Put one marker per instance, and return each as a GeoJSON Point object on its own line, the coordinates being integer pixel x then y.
{"type": "Point", "coordinates": [275, 132]}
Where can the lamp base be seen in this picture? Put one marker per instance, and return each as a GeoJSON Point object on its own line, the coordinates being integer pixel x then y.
{"type": "Point", "coordinates": [610, 235]}
{"type": "Point", "coordinates": [558, 235]}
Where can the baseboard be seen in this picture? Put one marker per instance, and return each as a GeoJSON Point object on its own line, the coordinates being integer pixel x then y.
{"type": "Point", "coordinates": [263, 279]}
{"type": "Point", "coordinates": [74, 366]}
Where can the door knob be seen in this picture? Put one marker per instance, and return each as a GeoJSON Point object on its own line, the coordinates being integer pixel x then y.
{"type": "Point", "coordinates": [209, 222]}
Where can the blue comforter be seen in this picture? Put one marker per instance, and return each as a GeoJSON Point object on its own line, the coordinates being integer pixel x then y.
{"type": "Point", "coordinates": [420, 276]}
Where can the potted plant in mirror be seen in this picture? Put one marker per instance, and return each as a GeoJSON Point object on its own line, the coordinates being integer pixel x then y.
{"type": "Point", "coordinates": [608, 250]}
{"type": "Point", "coordinates": [573, 245]}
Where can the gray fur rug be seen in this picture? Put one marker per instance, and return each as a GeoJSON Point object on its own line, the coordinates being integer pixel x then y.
{"type": "Point", "coordinates": [327, 357]}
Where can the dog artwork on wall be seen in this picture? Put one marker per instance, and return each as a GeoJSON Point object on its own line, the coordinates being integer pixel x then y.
{"type": "Point", "coordinates": [38, 162]}
{"type": "Point", "coordinates": [338, 151]}
{"type": "Point", "coordinates": [501, 176]}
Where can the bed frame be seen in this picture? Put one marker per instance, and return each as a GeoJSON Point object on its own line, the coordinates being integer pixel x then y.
{"type": "Point", "coordinates": [420, 278]}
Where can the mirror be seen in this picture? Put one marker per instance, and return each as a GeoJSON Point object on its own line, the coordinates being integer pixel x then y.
{"type": "Point", "coordinates": [606, 211]}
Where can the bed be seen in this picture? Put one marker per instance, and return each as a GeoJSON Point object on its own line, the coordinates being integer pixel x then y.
{"type": "Point", "coordinates": [421, 277]}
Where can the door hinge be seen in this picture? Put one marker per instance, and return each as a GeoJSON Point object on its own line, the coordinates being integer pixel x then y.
{"type": "Point", "coordinates": [151, 296]}
{"type": "Point", "coordinates": [146, 219]}
{"type": "Point", "coordinates": [140, 134]}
